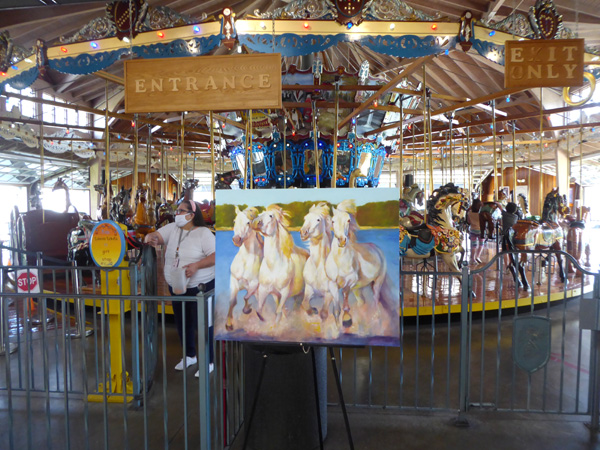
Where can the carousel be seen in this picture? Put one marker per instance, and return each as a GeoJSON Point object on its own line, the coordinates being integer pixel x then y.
{"type": "Point", "coordinates": [381, 95]}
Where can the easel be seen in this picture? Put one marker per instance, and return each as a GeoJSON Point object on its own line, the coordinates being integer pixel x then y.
{"type": "Point", "coordinates": [266, 355]}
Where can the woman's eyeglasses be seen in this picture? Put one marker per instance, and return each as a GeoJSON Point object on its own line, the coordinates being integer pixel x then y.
{"type": "Point", "coordinates": [182, 211]}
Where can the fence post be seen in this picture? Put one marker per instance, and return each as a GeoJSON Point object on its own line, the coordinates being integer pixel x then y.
{"type": "Point", "coordinates": [5, 345]}
{"type": "Point", "coordinates": [595, 365]}
{"type": "Point", "coordinates": [203, 371]}
{"type": "Point", "coordinates": [78, 304]}
{"type": "Point", "coordinates": [463, 373]}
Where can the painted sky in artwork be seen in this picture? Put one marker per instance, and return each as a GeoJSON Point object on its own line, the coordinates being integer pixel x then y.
{"type": "Point", "coordinates": [312, 278]}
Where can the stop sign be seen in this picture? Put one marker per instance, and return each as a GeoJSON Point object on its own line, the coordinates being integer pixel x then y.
{"type": "Point", "coordinates": [27, 281]}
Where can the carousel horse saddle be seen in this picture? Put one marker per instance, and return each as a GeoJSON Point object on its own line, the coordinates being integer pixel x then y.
{"type": "Point", "coordinates": [417, 228]}
{"type": "Point", "coordinates": [420, 239]}
{"type": "Point", "coordinates": [547, 226]}
{"type": "Point", "coordinates": [577, 224]}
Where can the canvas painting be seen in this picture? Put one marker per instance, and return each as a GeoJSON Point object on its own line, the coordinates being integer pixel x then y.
{"type": "Point", "coordinates": [308, 265]}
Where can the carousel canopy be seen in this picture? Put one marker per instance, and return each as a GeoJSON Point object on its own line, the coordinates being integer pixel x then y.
{"type": "Point", "coordinates": [68, 55]}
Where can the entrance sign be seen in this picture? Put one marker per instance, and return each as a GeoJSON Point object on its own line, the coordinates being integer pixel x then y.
{"type": "Point", "coordinates": [107, 244]}
{"type": "Point", "coordinates": [544, 63]}
{"type": "Point", "coordinates": [28, 281]}
{"type": "Point", "coordinates": [204, 83]}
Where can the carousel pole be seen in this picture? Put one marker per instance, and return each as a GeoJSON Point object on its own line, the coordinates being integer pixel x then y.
{"type": "Point", "coordinates": [452, 152]}
{"type": "Point", "coordinates": [246, 145]}
{"type": "Point", "coordinates": [514, 161]}
{"type": "Point", "coordinates": [166, 175]}
{"type": "Point", "coordinates": [529, 176]}
{"type": "Point", "coordinates": [212, 156]}
{"type": "Point", "coordinates": [42, 164]}
{"type": "Point", "coordinates": [495, 153]}
{"type": "Point", "coordinates": [181, 150]}
{"type": "Point", "coordinates": [163, 191]}
{"type": "Point", "coordinates": [425, 188]}
{"type": "Point", "coordinates": [430, 138]}
{"type": "Point", "coordinates": [401, 169]}
{"type": "Point", "coordinates": [148, 164]}
{"type": "Point", "coordinates": [335, 137]}
{"type": "Point", "coordinates": [135, 154]}
{"type": "Point", "coordinates": [580, 193]}
{"type": "Point", "coordinates": [284, 152]}
{"type": "Point", "coordinates": [541, 182]}
{"type": "Point", "coordinates": [316, 143]}
{"type": "Point", "coordinates": [414, 155]}
{"type": "Point", "coordinates": [463, 163]}
{"type": "Point", "coordinates": [501, 161]}
{"type": "Point", "coordinates": [106, 152]}
{"type": "Point", "coordinates": [251, 129]}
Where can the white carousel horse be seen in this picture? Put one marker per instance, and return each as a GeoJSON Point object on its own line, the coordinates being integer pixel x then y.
{"type": "Point", "coordinates": [440, 234]}
{"type": "Point", "coordinates": [409, 215]}
{"type": "Point", "coordinates": [352, 266]}
{"type": "Point", "coordinates": [317, 229]}
{"type": "Point", "coordinates": [246, 263]}
{"type": "Point", "coordinates": [281, 269]}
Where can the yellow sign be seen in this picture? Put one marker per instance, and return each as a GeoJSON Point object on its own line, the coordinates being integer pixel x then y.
{"type": "Point", "coordinates": [107, 244]}
{"type": "Point", "coordinates": [203, 83]}
{"type": "Point", "coordinates": [544, 63]}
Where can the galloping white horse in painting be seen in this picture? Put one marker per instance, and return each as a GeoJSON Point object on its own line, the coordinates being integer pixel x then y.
{"type": "Point", "coordinates": [351, 265]}
{"type": "Point", "coordinates": [281, 269]}
{"type": "Point", "coordinates": [317, 229]}
{"type": "Point", "coordinates": [246, 263]}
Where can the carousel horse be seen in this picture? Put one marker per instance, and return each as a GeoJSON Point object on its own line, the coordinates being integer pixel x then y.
{"type": "Point", "coordinates": [120, 210]}
{"type": "Point", "coordinates": [224, 180]}
{"type": "Point", "coordinates": [317, 230]}
{"type": "Point", "coordinates": [140, 221]}
{"type": "Point", "coordinates": [280, 272]}
{"type": "Point", "coordinates": [352, 266]}
{"type": "Point", "coordinates": [246, 264]}
{"type": "Point", "coordinates": [35, 196]}
{"type": "Point", "coordinates": [409, 215]}
{"type": "Point", "coordinates": [573, 226]}
{"type": "Point", "coordinates": [439, 235]}
{"type": "Point", "coordinates": [60, 184]}
{"type": "Point", "coordinates": [208, 212]}
{"type": "Point", "coordinates": [544, 235]}
{"type": "Point", "coordinates": [165, 214]}
{"type": "Point", "coordinates": [490, 213]}
{"type": "Point", "coordinates": [524, 207]}
{"type": "Point", "coordinates": [102, 211]}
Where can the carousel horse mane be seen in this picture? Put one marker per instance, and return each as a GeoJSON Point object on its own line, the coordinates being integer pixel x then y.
{"type": "Point", "coordinates": [434, 208]}
{"type": "Point", "coordinates": [120, 208]}
{"type": "Point", "coordinates": [524, 204]}
{"type": "Point", "coordinates": [553, 206]}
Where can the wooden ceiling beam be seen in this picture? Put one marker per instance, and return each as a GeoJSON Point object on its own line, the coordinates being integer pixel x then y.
{"type": "Point", "coordinates": [388, 87]}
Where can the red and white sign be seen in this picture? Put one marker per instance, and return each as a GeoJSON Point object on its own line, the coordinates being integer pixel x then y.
{"type": "Point", "coordinates": [27, 281]}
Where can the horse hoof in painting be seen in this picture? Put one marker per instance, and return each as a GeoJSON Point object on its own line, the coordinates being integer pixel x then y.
{"type": "Point", "coordinates": [248, 309]}
{"type": "Point", "coordinates": [260, 316]}
{"type": "Point", "coordinates": [311, 311]}
{"type": "Point", "coordinates": [347, 320]}
{"type": "Point", "coordinates": [229, 325]}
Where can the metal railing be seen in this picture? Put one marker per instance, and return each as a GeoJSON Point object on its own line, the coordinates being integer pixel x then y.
{"type": "Point", "coordinates": [456, 355]}
{"type": "Point", "coordinates": [116, 388]}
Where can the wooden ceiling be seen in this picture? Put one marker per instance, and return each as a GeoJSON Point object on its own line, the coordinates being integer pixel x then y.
{"type": "Point", "coordinates": [458, 74]}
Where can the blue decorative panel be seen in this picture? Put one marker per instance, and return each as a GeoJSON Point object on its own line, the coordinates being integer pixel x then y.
{"type": "Point", "coordinates": [178, 48]}
{"type": "Point", "coordinates": [489, 50]}
{"type": "Point", "coordinates": [290, 44]}
{"type": "Point", "coordinates": [85, 64]}
{"type": "Point", "coordinates": [23, 80]}
{"type": "Point", "coordinates": [407, 46]}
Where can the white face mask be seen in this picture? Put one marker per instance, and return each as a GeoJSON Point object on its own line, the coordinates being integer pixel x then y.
{"type": "Point", "coordinates": [181, 221]}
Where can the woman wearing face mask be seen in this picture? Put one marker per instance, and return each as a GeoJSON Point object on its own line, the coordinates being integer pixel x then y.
{"type": "Point", "coordinates": [190, 250]}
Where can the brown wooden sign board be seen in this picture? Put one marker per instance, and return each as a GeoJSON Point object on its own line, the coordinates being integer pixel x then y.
{"type": "Point", "coordinates": [544, 63]}
{"type": "Point", "coordinates": [203, 83]}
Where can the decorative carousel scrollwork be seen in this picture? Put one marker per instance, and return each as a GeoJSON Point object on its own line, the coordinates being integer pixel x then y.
{"type": "Point", "coordinates": [160, 17]}
{"type": "Point", "coordinates": [301, 9]}
{"type": "Point", "coordinates": [517, 24]}
{"type": "Point", "coordinates": [567, 95]}
{"type": "Point", "coordinates": [395, 10]}
{"type": "Point", "coordinates": [407, 46]}
{"type": "Point", "coordinates": [98, 28]}
{"type": "Point", "coordinates": [178, 47]}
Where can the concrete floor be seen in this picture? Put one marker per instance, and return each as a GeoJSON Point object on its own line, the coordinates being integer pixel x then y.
{"type": "Point", "coordinates": [420, 416]}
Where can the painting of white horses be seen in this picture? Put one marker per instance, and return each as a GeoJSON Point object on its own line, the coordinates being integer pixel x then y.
{"type": "Point", "coordinates": [313, 266]}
